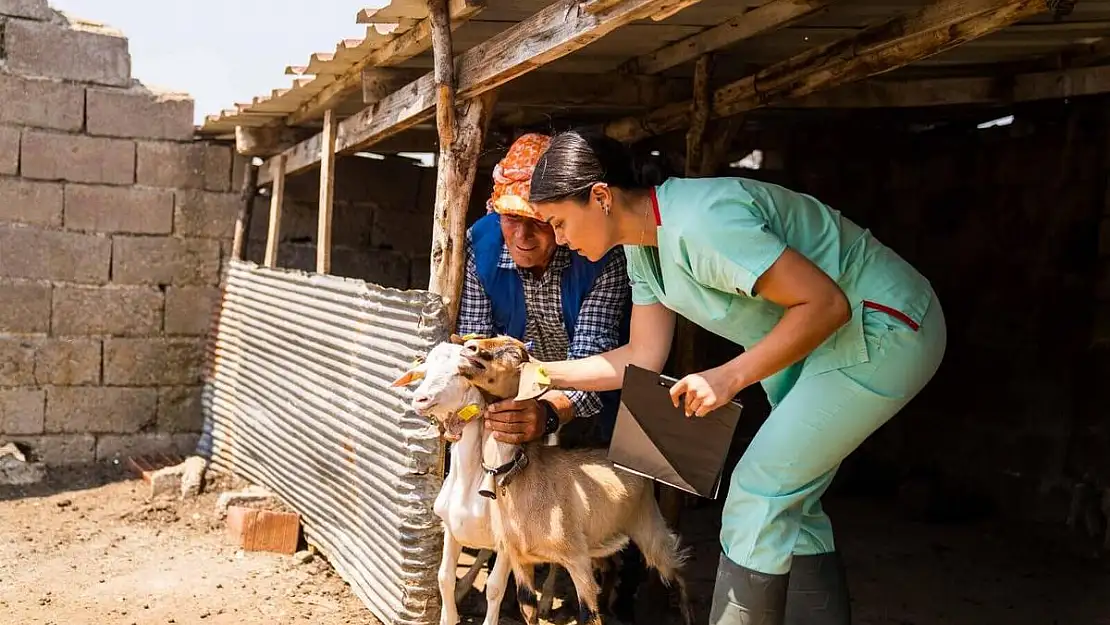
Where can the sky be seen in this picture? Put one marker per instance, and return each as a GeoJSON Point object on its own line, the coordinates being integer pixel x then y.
{"type": "Point", "coordinates": [222, 51]}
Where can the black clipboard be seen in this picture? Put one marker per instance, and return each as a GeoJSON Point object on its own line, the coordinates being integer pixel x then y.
{"type": "Point", "coordinates": [654, 439]}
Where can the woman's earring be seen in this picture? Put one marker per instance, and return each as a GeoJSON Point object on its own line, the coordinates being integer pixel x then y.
{"type": "Point", "coordinates": [605, 208]}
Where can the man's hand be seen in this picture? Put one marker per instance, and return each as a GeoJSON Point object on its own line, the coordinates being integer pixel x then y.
{"type": "Point", "coordinates": [516, 422]}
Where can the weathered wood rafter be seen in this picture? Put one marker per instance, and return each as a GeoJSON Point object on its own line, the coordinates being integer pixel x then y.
{"type": "Point", "coordinates": [891, 44]}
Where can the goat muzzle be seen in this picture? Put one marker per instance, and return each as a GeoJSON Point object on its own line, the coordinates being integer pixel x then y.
{"type": "Point", "coordinates": [502, 476]}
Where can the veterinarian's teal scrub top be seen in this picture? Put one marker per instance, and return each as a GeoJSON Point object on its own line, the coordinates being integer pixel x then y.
{"type": "Point", "coordinates": [717, 237]}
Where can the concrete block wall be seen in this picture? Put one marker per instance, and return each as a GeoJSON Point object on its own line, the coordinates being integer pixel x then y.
{"type": "Point", "coordinates": [114, 223]}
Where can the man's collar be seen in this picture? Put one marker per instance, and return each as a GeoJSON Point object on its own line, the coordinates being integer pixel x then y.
{"type": "Point", "coordinates": [560, 260]}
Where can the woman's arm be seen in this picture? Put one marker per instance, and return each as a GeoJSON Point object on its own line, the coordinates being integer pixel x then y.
{"type": "Point", "coordinates": [650, 332]}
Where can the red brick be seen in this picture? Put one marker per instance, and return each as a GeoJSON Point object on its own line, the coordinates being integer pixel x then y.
{"type": "Point", "coordinates": [30, 9]}
{"type": "Point", "coordinates": [9, 151]}
{"type": "Point", "coordinates": [136, 210]}
{"type": "Point", "coordinates": [139, 113]}
{"type": "Point", "coordinates": [31, 202]}
{"type": "Point", "coordinates": [78, 52]}
{"type": "Point", "coordinates": [99, 409]}
{"type": "Point", "coordinates": [41, 103]}
{"type": "Point", "coordinates": [153, 362]}
{"type": "Point", "coordinates": [264, 530]}
{"type": "Point", "coordinates": [21, 411]}
{"type": "Point", "coordinates": [183, 165]}
{"type": "Point", "coordinates": [47, 255]}
{"type": "Point", "coordinates": [25, 307]}
{"type": "Point", "coordinates": [76, 158]}
{"type": "Point", "coordinates": [163, 260]}
{"type": "Point", "coordinates": [60, 449]}
{"type": "Point", "coordinates": [204, 214]}
{"type": "Point", "coordinates": [110, 309]}
{"type": "Point", "coordinates": [189, 309]}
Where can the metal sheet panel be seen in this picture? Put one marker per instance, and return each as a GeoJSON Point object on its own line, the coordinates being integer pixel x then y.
{"type": "Point", "coordinates": [298, 399]}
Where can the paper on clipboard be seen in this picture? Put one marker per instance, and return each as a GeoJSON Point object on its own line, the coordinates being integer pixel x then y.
{"type": "Point", "coordinates": [654, 439]}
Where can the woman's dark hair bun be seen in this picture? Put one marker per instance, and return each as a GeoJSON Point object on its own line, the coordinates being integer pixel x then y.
{"type": "Point", "coordinates": [578, 159]}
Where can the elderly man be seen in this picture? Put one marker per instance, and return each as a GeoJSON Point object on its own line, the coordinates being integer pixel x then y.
{"type": "Point", "coordinates": [519, 282]}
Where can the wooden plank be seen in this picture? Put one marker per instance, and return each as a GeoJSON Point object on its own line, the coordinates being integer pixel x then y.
{"type": "Point", "coordinates": [935, 28]}
{"type": "Point", "coordinates": [266, 140]}
{"type": "Point", "coordinates": [327, 194]}
{"type": "Point", "coordinates": [247, 191]}
{"type": "Point", "coordinates": [554, 32]}
{"type": "Point", "coordinates": [771, 16]}
{"type": "Point", "coordinates": [277, 199]}
{"type": "Point", "coordinates": [378, 82]}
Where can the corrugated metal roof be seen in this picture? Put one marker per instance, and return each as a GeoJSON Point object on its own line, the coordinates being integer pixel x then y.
{"type": "Point", "coordinates": [298, 399]}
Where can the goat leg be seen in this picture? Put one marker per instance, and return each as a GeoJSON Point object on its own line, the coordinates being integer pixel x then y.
{"type": "Point", "coordinates": [496, 584]}
{"type": "Point", "coordinates": [466, 584]}
{"type": "Point", "coordinates": [585, 586]}
{"type": "Point", "coordinates": [547, 595]}
{"type": "Point", "coordinates": [449, 612]}
{"type": "Point", "coordinates": [525, 589]}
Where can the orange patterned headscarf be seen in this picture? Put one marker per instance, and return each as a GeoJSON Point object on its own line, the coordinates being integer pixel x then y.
{"type": "Point", "coordinates": [512, 177]}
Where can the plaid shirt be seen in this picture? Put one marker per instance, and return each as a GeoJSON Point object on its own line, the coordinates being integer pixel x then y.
{"type": "Point", "coordinates": [598, 320]}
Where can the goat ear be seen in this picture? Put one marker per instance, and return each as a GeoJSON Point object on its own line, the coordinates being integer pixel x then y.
{"type": "Point", "coordinates": [410, 376]}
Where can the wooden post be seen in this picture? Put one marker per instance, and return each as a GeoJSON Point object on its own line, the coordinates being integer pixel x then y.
{"type": "Point", "coordinates": [327, 194]}
{"type": "Point", "coordinates": [277, 198]}
{"type": "Point", "coordinates": [247, 192]}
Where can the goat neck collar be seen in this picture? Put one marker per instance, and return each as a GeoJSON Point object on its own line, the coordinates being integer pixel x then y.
{"type": "Point", "coordinates": [507, 472]}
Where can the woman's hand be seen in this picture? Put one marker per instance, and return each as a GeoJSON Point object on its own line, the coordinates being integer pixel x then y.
{"type": "Point", "coordinates": [704, 392]}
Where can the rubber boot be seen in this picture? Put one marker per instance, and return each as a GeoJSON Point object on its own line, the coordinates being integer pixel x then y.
{"type": "Point", "coordinates": [818, 591]}
{"type": "Point", "coordinates": [742, 596]}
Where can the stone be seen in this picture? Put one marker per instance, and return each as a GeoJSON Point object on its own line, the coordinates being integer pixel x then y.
{"type": "Point", "coordinates": [77, 158]}
{"type": "Point", "coordinates": [80, 51]}
{"type": "Point", "coordinates": [22, 411]}
{"type": "Point", "coordinates": [96, 409]}
{"type": "Point", "coordinates": [253, 495]}
{"type": "Point", "coordinates": [183, 165]}
{"type": "Point", "coordinates": [25, 307]}
{"type": "Point", "coordinates": [303, 557]}
{"type": "Point", "coordinates": [192, 478]}
{"type": "Point", "coordinates": [136, 210]}
{"type": "Point", "coordinates": [9, 151]}
{"type": "Point", "coordinates": [205, 214]}
{"type": "Point", "coordinates": [139, 112]}
{"type": "Point", "coordinates": [68, 362]}
{"type": "Point", "coordinates": [140, 260]}
{"type": "Point", "coordinates": [41, 103]}
{"type": "Point", "coordinates": [59, 449]}
{"type": "Point", "coordinates": [17, 361]}
{"type": "Point", "coordinates": [31, 202]}
{"type": "Point", "coordinates": [15, 470]}
{"type": "Point", "coordinates": [166, 480]}
{"type": "Point", "coordinates": [46, 255]}
{"type": "Point", "coordinates": [116, 446]}
{"type": "Point", "coordinates": [264, 530]}
{"type": "Point", "coordinates": [30, 9]}
{"type": "Point", "coordinates": [153, 362]}
{"type": "Point", "coordinates": [189, 309]}
{"type": "Point", "coordinates": [111, 309]}
{"type": "Point", "coordinates": [179, 409]}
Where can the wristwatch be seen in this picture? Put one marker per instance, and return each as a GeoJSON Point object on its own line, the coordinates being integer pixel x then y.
{"type": "Point", "coordinates": [551, 425]}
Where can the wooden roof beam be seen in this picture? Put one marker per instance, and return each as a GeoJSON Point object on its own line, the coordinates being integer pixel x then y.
{"type": "Point", "coordinates": [400, 48]}
{"type": "Point", "coordinates": [889, 45]}
{"type": "Point", "coordinates": [554, 32]}
{"type": "Point", "coordinates": [763, 19]}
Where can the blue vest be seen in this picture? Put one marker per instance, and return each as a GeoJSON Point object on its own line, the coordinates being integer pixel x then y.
{"type": "Point", "coordinates": [505, 291]}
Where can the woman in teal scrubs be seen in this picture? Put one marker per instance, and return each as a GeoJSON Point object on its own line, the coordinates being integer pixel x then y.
{"type": "Point", "coordinates": [838, 329]}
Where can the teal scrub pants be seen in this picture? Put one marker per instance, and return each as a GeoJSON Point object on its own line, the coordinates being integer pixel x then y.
{"type": "Point", "coordinates": [773, 508]}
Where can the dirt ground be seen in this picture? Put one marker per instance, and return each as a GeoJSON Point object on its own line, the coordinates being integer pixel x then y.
{"type": "Point", "coordinates": [87, 547]}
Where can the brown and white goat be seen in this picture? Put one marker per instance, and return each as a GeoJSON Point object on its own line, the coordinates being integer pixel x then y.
{"type": "Point", "coordinates": [569, 507]}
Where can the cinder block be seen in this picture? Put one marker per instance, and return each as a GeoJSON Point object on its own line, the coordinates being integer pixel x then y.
{"type": "Point", "coordinates": [41, 103]}
{"type": "Point", "coordinates": [67, 362]}
{"type": "Point", "coordinates": [95, 409]}
{"type": "Point", "coordinates": [183, 165]}
{"type": "Point", "coordinates": [139, 113]}
{"type": "Point", "coordinates": [60, 449]}
{"type": "Point", "coordinates": [136, 210]}
{"type": "Point", "coordinates": [421, 272]}
{"type": "Point", "coordinates": [9, 151]}
{"type": "Point", "coordinates": [115, 446]}
{"type": "Point", "coordinates": [46, 255]}
{"type": "Point", "coordinates": [401, 231]}
{"type": "Point", "coordinates": [264, 530]}
{"type": "Point", "coordinates": [21, 411]}
{"type": "Point", "coordinates": [24, 307]}
{"type": "Point", "coordinates": [204, 214]}
{"type": "Point", "coordinates": [179, 409]}
{"type": "Point", "coordinates": [30, 9]}
{"type": "Point", "coordinates": [76, 158]}
{"type": "Point", "coordinates": [189, 309]}
{"type": "Point", "coordinates": [153, 362]}
{"type": "Point", "coordinates": [79, 52]}
{"type": "Point", "coordinates": [30, 202]}
{"type": "Point", "coordinates": [112, 309]}
{"type": "Point", "coordinates": [17, 361]}
{"type": "Point", "coordinates": [140, 260]}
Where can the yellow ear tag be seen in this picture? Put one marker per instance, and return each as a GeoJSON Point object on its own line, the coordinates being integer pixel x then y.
{"type": "Point", "coordinates": [467, 337]}
{"type": "Point", "coordinates": [468, 412]}
{"type": "Point", "coordinates": [542, 377]}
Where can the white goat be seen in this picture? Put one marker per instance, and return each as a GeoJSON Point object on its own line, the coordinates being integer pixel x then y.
{"type": "Point", "coordinates": [450, 400]}
{"type": "Point", "coordinates": [553, 505]}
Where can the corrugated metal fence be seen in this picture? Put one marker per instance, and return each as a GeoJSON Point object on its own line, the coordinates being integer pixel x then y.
{"type": "Point", "coordinates": [298, 399]}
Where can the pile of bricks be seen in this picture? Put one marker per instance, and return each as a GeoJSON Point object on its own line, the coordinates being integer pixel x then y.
{"type": "Point", "coordinates": [114, 224]}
